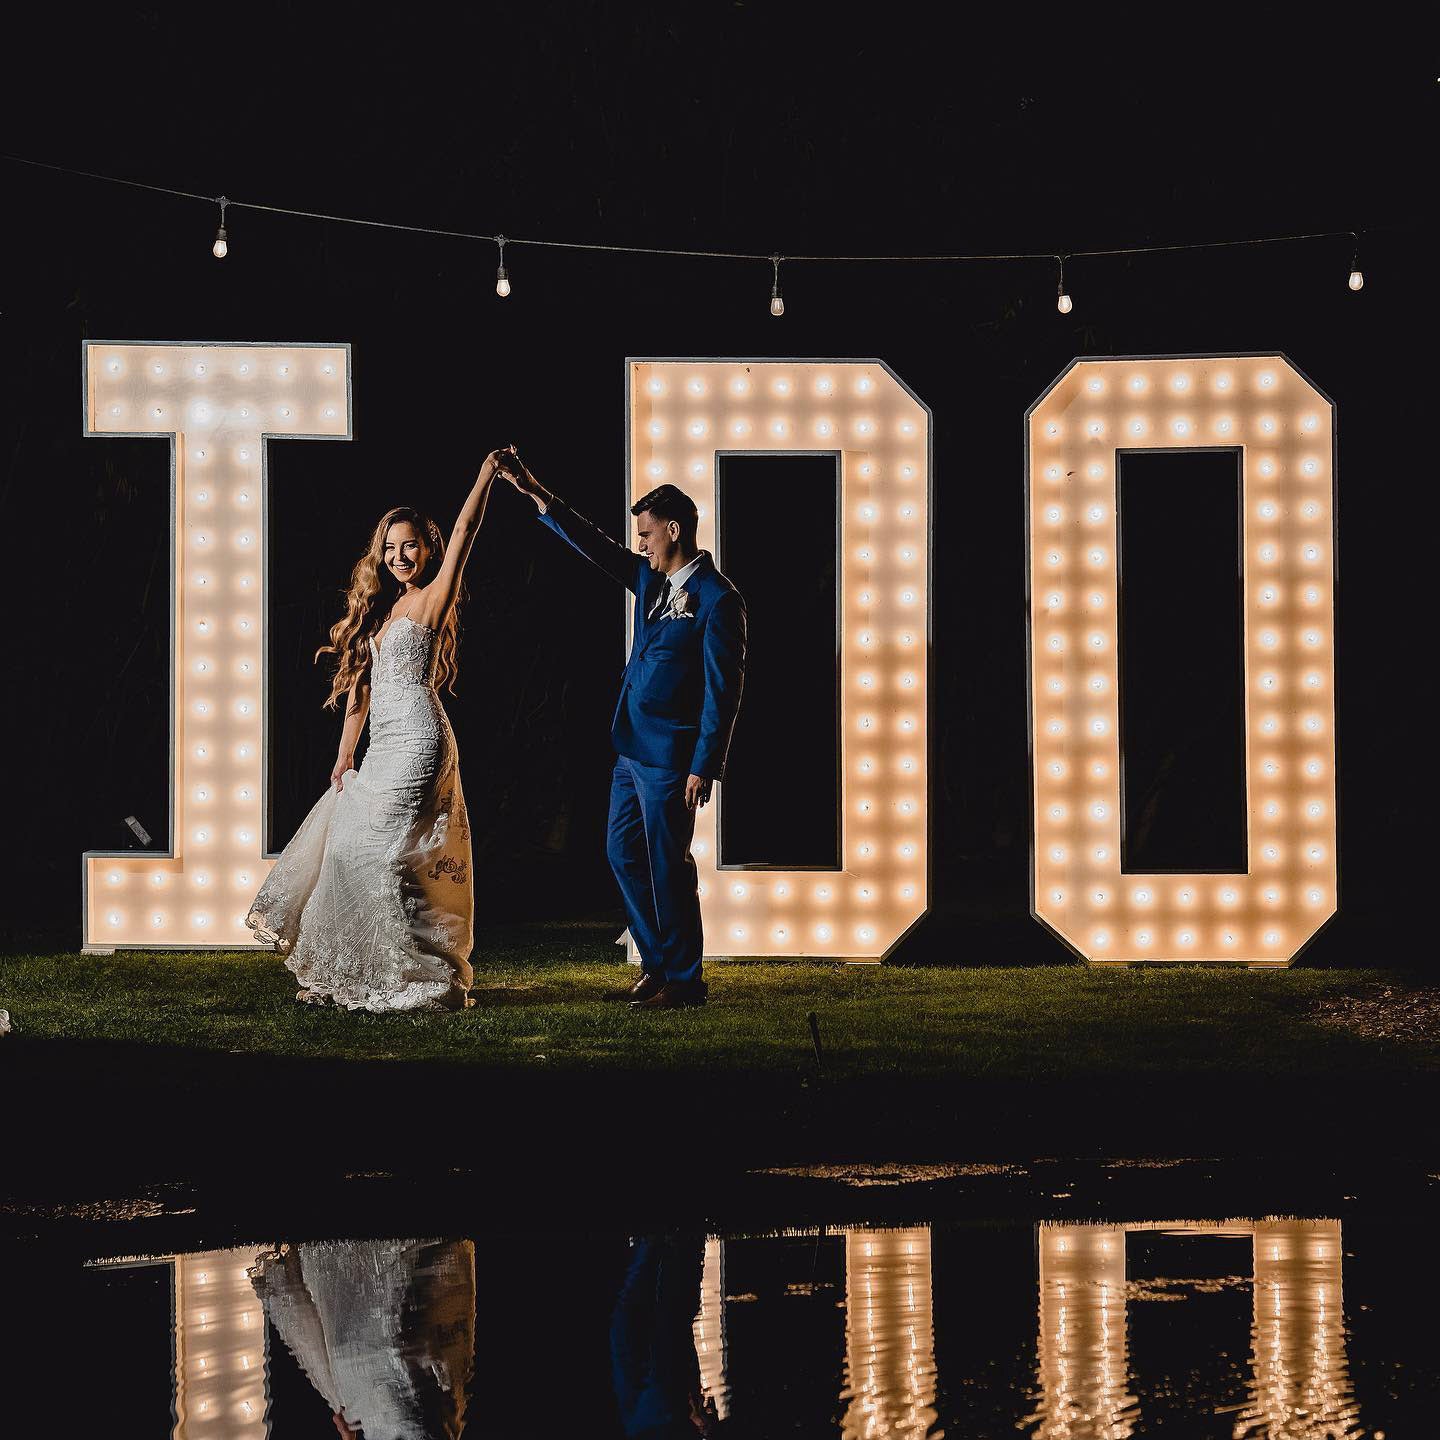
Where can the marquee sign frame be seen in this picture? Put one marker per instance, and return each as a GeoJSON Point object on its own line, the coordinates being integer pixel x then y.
{"type": "Point", "coordinates": [814, 393]}
{"type": "Point", "coordinates": [1261, 404]}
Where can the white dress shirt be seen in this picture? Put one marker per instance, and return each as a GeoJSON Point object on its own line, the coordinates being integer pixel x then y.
{"type": "Point", "coordinates": [677, 580]}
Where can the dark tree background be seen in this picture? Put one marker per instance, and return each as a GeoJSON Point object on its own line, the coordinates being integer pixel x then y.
{"type": "Point", "coordinates": [719, 126]}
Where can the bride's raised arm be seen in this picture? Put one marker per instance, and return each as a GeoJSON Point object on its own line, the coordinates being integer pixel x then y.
{"type": "Point", "coordinates": [440, 593]}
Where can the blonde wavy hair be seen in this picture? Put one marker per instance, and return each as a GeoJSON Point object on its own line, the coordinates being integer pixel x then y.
{"type": "Point", "coordinates": [370, 599]}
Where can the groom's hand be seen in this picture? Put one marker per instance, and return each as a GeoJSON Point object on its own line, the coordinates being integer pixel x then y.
{"type": "Point", "coordinates": [513, 468]}
{"type": "Point", "coordinates": [697, 792]}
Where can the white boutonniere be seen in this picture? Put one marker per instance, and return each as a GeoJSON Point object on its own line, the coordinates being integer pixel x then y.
{"type": "Point", "coordinates": [681, 606]}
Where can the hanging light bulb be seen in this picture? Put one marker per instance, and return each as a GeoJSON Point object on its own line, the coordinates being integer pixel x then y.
{"type": "Point", "coordinates": [1063, 303]}
{"type": "Point", "coordinates": [221, 248]}
{"type": "Point", "coordinates": [502, 280]}
{"type": "Point", "coordinates": [1357, 278]}
{"type": "Point", "coordinates": [777, 301]}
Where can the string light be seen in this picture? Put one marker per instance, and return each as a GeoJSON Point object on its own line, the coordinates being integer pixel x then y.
{"type": "Point", "coordinates": [1357, 278]}
{"type": "Point", "coordinates": [502, 280]}
{"type": "Point", "coordinates": [1064, 303]}
{"type": "Point", "coordinates": [221, 248]}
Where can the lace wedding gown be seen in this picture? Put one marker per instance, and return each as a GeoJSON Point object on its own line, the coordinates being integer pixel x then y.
{"type": "Point", "coordinates": [370, 902]}
{"type": "Point", "coordinates": [383, 1329]}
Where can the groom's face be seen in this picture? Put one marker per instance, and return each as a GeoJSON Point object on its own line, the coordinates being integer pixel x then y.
{"type": "Point", "coordinates": [658, 540]}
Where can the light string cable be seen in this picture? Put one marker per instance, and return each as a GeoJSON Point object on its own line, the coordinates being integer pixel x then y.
{"type": "Point", "coordinates": [777, 304]}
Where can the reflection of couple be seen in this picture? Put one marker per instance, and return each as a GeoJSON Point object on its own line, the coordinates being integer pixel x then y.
{"type": "Point", "coordinates": [385, 1332]}
{"type": "Point", "coordinates": [371, 901]}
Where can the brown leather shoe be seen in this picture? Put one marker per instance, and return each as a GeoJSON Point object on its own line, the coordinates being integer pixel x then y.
{"type": "Point", "coordinates": [650, 983]}
{"type": "Point", "coordinates": [674, 995]}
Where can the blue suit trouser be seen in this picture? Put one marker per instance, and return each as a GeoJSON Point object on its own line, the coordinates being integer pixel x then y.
{"type": "Point", "coordinates": [649, 849]}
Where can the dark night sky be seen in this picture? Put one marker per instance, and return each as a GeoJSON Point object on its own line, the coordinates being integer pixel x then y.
{"type": "Point", "coordinates": [702, 126]}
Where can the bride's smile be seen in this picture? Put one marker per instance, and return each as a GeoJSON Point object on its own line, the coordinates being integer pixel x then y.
{"type": "Point", "coordinates": [406, 553]}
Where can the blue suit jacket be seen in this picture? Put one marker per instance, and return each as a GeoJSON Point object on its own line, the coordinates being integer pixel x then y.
{"type": "Point", "coordinates": [681, 688]}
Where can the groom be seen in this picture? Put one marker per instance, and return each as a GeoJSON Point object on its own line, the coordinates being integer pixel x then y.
{"type": "Point", "coordinates": [679, 695]}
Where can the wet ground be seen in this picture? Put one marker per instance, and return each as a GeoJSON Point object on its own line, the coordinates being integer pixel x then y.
{"type": "Point", "coordinates": [1178, 1296]}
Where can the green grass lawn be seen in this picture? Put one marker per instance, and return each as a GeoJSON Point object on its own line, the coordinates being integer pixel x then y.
{"type": "Point", "coordinates": [538, 1004]}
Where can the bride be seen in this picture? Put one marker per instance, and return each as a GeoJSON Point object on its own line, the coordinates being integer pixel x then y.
{"type": "Point", "coordinates": [371, 901]}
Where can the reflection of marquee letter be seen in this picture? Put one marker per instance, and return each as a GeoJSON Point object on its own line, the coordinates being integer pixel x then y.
{"type": "Point", "coordinates": [1300, 1375]}
{"type": "Point", "coordinates": [220, 1378]}
{"type": "Point", "coordinates": [681, 412]}
{"type": "Point", "coordinates": [709, 1328]}
{"type": "Point", "coordinates": [218, 405]}
{"type": "Point", "coordinates": [1285, 430]}
{"type": "Point", "coordinates": [1083, 1348]}
{"type": "Point", "coordinates": [890, 1376]}
{"type": "Point", "coordinates": [1299, 1381]}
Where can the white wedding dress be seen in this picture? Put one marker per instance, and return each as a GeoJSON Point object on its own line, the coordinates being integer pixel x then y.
{"type": "Point", "coordinates": [371, 901]}
{"type": "Point", "coordinates": [383, 1329]}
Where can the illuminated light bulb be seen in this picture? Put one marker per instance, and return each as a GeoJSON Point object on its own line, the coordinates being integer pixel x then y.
{"type": "Point", "coordinates": [1272, 937]}
{"type": "Point", "coordinates": [157, 920]}
{"type": "Point", "coordinates": [1310, 467]}
{"type": "Point", "coordinates": [739, 891]}
{"type": "Point", "coordinates": [1222, 382]}
{"type": "Point", "coordinates": [1100, 939]}
{"type": "Point", "coordinates": [113, 917]}
{"type": "Point", "coordinates": [778, 427]}
{"type": "Point", "coordinates": [1186, 937]}
{"type": "Point", "coordinates": [864, 385]}
{"type": "Point", "coordinates": [782, 889]}
{"type": "Point", "coordinates": [1356, 280]}
{"type": "Point", "coordinates": [824, 385]}
{"type": "Point", "coordinates": [1095, 427]}
{"type": "Point", "coordinates": [777, 301]}
{"type": "Point", "coordinates": [780, 932]}
{"type": "Point", "coordinates": [866, 934]}
{"type": "Point", "coordinates": [822, 427]}
{"type": "Point", "coordinates": [157, 881]}
{"type": "Point", "coordinates": [114, 409]}
{"type": "Point", "coordinates": [1267, 425]}
{"type": "Point", "coordinates": [502, 277]}
{"type": "Point", "coordinates": [822, 932]}
{"type": "Point", "coordinates": [1223, 426]}
{"type": "Point", "coordinates": [1142, 897]}
{"type": "Point", "coordinates": [738, 932]}
{"type": "Point", "coordinates": [1182, 427]}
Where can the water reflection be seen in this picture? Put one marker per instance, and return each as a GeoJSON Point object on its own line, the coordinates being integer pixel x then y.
{"type": "Point", "coordinates": [803, 1331]}
{"type": "Point", "coordinates": [1298, 1384]}
{"type": "Point", "coordinates": [383, 1329]}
